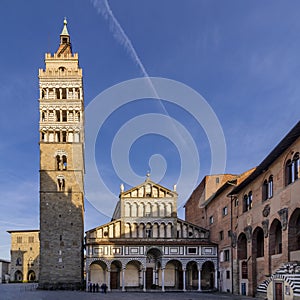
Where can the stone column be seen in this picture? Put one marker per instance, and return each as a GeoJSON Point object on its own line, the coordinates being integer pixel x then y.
{"type": "Point", "coordinates": [108, 280]}
{"type": "Point", "coordinates": [184, 283]}
{"type": "Point", "coordinates": [199, 280]}
{"type": "Point", "coordinates": [216, 278]}
{"type": "Point", "coordinates": [87, 278]}
{"type": "Point", "coordinates": [162, 280]}
{"type": "Point", "coordinates": [144, 280]}
{"type": "Point", "coordinates": [123, 280]}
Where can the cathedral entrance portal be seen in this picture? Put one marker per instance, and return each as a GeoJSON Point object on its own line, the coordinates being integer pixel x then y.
{"type": "Point", "coordinates": [115, 270]}
{"type": "Point", "coordinates": [149, 278]}
{"type": "Point", "coordinates": [153, 267]}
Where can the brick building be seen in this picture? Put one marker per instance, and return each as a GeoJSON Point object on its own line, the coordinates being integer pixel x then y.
{"type": "Point", "coordinates": [210, 207]}
{"type": "Point", "coordinates": [255, 218]}
{"type": "Point", "coordinates": [24, 251]}
{"type": "Point", "coordinates": [208, 186]}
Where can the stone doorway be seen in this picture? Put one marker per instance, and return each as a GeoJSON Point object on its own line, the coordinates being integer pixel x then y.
{"type": "Point", "coordinates": [278, 290]}
{"type": "Point", "coordinates": [149, 278]}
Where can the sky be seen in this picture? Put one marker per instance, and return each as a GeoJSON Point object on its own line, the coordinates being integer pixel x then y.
{"type": "Point", "coordinates": [225, 92]}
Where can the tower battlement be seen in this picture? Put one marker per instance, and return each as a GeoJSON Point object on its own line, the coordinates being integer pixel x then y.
{"type": "Point", "coordinates": [54, 72]}
{"type": "Point", "coordinates": [61, 57]}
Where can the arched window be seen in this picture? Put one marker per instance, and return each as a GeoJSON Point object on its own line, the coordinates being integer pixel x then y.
{"type": "Point", "coordinates": [64, 136]}
{"type": "Point", "coordinates": [19, 261]}
{"type": "Point", "coordinates": [43, 116]}
{"type": "Point", "coordinates": [288, 172]}
{"type": "Point", "coordinates": [43, 136]}
{"type": "Point", "coordinates": [64, 162]}
{"type": "Point", "coordinates": [57, 162]}
{"type": "Point", "coordinates": [296, 162]}
{"type": "Point", "coordinates": [250, 200]}
{"type": "Point", "coordinates": [265, 190]}
{"type": "Point", "coordinates": [61, 184]}
{"type": "Point", "coordinates": [270, 187]}
{"type": "Point", "coordinates": [247, 202]}
{"type": "Point", "coordinates": [292, 169]}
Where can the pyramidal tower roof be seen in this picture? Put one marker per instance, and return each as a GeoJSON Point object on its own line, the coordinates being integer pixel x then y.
{"type": "Point", "coordinates": [65, 47]}
{"type": "Point", "coordinates": [65, 29]}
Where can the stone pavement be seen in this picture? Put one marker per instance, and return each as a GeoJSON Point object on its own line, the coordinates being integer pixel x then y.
{"type": "Point", "coordinates": [28, 292]}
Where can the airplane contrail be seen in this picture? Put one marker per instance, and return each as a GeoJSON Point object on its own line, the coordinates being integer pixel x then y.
{"type": "Point", "coordinates": [104, 9]}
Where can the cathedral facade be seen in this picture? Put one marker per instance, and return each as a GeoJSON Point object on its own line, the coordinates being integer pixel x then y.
{"type": "Point", "coordinates": [146, 247]}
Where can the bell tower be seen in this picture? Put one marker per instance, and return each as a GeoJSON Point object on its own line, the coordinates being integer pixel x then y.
{"type": "Point", "coordinates": [61, 143]}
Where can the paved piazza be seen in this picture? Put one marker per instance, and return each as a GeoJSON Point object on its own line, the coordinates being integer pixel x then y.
{"type": "Point", "coordinates": [28, 292]}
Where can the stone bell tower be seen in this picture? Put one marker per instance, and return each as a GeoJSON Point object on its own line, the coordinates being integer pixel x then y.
{"type": "Point", "coordinates": [61, 143]}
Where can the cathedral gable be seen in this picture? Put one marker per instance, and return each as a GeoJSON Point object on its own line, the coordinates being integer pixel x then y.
{"type": "Point", "coordinates": [149, 189]}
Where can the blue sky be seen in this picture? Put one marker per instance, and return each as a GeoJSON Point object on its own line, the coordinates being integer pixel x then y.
{"type": "Point", "coordinates": [241, 56]}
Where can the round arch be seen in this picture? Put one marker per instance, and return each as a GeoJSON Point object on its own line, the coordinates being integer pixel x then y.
{"type": "Point", "coordinates": [294, 235]}
{"type": "Point", "coordinates": [115, 270]}
{"type": "Point", "coordinates": [174, 275]}
{"type": "Point", "coordinates": [132, 274]}
{"type": "Point", "coordinates": [153, 267]}
{"type": "Point", "coordinates": [208, 276]}
{"type": "Point", "coordinates": [258, 242]}
{"type": "Point", "coordinates": [242, 246]}
{"type": "Point", "coordinates": [275, 238]}
{"type": "Point", "coordinates": [192, 275]}
{"type": "Point", "coordinates": [98, 272]}
{"type": "Point", "coordinates": [18, 276]}
{"type": "Point", "coordinates": [31, 276]}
